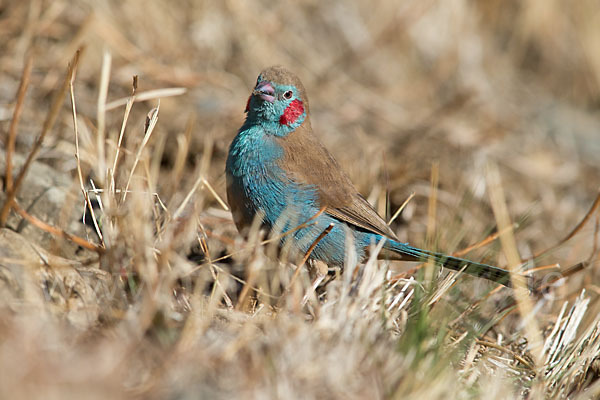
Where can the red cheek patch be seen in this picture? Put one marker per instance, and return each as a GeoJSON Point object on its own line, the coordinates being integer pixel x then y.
{"type": "Point", "coordinates": [248, 104]}
{"type": "Point", "coordinates": [292, 112]}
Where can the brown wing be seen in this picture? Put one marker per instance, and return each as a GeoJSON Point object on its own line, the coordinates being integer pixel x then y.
{"type": "Point", "coordinates": [308, 162]}
{"type": "Point", "coordinates": [360, 213]}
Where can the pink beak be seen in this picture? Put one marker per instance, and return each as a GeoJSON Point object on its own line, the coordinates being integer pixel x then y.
{"type": "Point", "coordinates": [265, 91]}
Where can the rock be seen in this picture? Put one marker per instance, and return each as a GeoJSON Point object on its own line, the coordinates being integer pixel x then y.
{"type": "Point", "coordinates": [53, 197]}
{"type": "Point", "coordinates": [30, 277]}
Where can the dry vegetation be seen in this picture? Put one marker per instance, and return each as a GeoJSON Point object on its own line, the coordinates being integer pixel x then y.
{"type": "Point", "coordinates": [162, 299]}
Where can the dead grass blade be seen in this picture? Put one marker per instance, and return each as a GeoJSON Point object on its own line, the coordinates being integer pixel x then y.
{"type": "Point", "coordinates": [147, 95]}
{"type": "Point", "coordinates": [310, 250]}
{"type": "Point", "coordinates": [56, 231]}
{"type": "Point", "coordinates": [151, 120]}
{"type": "Point", "coordinates": [399, 210]}
{"type": "Point", "coordinates": [485, 241]}
{"type": "Point", "coordinates": [78, 162]}
{"type": "Point", "coordinates": [12, 130]}
{"type": "Point", "coordinates": [573, 232]}
{"type": "Point", "coordinates": [509, 246]}
{"type": "Point", "coordinates": [129, 104]}
{"type": "Point", "coordinates": [431, 219]}
{"type": "Point", "coordinates": [550, 280]}
{"type": "Point", "coordinates": [513, 354]}
{"type": "Point", "coordinates": [48, 125]}
{"type": "Point", "coordinates": [101, 116]}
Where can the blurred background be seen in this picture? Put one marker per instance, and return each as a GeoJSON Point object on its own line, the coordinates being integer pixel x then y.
{"type": "Point", "coordinates": [395, 88]}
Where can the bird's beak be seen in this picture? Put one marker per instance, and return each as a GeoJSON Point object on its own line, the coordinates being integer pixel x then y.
{"type": "Point", "coordinates": [265, 91]}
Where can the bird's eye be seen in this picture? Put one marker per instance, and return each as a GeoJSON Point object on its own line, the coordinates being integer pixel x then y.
{"type": "Point", "coordinates": [287, 95]}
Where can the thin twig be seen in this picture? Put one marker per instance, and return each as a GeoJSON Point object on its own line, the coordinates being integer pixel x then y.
{"type": "Point", "coordinates": [187, 198]}
{"type": "Point", "coordinates": [581, 266]}
{"type": "Point", "coordinates": [306, 256]}
{"type": "Point", "coordinates": [485, 241]}
{"type": "Point", "coordinates": [215, 195]}
{"type": "Point", "coordinates": [78, 161]}
{"type": "Point", "coordinates": [147, 95]}
{"type": "Point", "coordinates": [101, 115]}
{"type": "Point", "coordinates": [183, 148]}
{"type": "Point", "coordinates": [399, 210]}
{"type": "Point", "coordinates": [243, 282]}
{"type": "Point", "coordinates": [48, 125]}
{"type": "Point", "coordinates": [431, 218]}
{"type": "Point", "coordinates": [56, 231]}
{"type": "Point", "coordinates": [151, 120]}
{"type": "Point", "coordinates": [248, 285]}
{"type": "Point", "coordinates": [309, 252]}
{"type": "Point", "coordinates": [577, 228]}
{"type": "Point", "coordinates": [12, 131]}
{"type": "Point", "coordinates": [218, 285]}
{"type": "Point", "coordinates": [129, 105]}
{"type": "Point", "coordinates": [475, 305]}
{"type": "Point", "coordinates": [515, 355]}
{"type": "Point", "coordinates": [531, 271]}
{"type": "Point", "coordinates": [509, 246]}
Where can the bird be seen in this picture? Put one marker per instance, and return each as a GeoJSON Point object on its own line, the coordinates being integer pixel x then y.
{"type": "Point", "coordinates": [279, 172]}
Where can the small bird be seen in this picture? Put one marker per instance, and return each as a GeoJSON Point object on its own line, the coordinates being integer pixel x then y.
{"type": "Point", "coordinates": [278, 170]}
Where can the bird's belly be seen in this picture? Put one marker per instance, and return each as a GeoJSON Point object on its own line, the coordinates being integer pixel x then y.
{"type": "Point", "coordinates": [255, 193]}
{"type": "Point", "coordinates": [288, 212]}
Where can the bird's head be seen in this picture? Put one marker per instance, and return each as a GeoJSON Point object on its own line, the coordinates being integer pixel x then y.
{"type": "Point", "coordinates": [278, 101]}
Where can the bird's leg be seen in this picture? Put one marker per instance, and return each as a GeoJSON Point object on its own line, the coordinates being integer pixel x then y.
{"type": "Point", "coordinates": [306, 257]}
{"type": "Point", "coordinates": [308, 253]}
{"type": "Point", "coordinates": [318, 271]}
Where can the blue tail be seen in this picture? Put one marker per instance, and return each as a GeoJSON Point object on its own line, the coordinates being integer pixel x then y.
{"type": "Point", "coordinates": [406, 252]}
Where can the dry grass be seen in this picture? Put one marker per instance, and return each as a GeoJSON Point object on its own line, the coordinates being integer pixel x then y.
{"type": "Point", "coordinates": [157, 296]}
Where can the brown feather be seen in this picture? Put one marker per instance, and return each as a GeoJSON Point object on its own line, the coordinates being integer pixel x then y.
{"type": "Point", "coordinates": [308, 162]}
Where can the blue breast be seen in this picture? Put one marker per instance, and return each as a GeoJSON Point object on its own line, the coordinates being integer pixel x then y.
{"type": "Point", "coordinates": [258, 185]}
